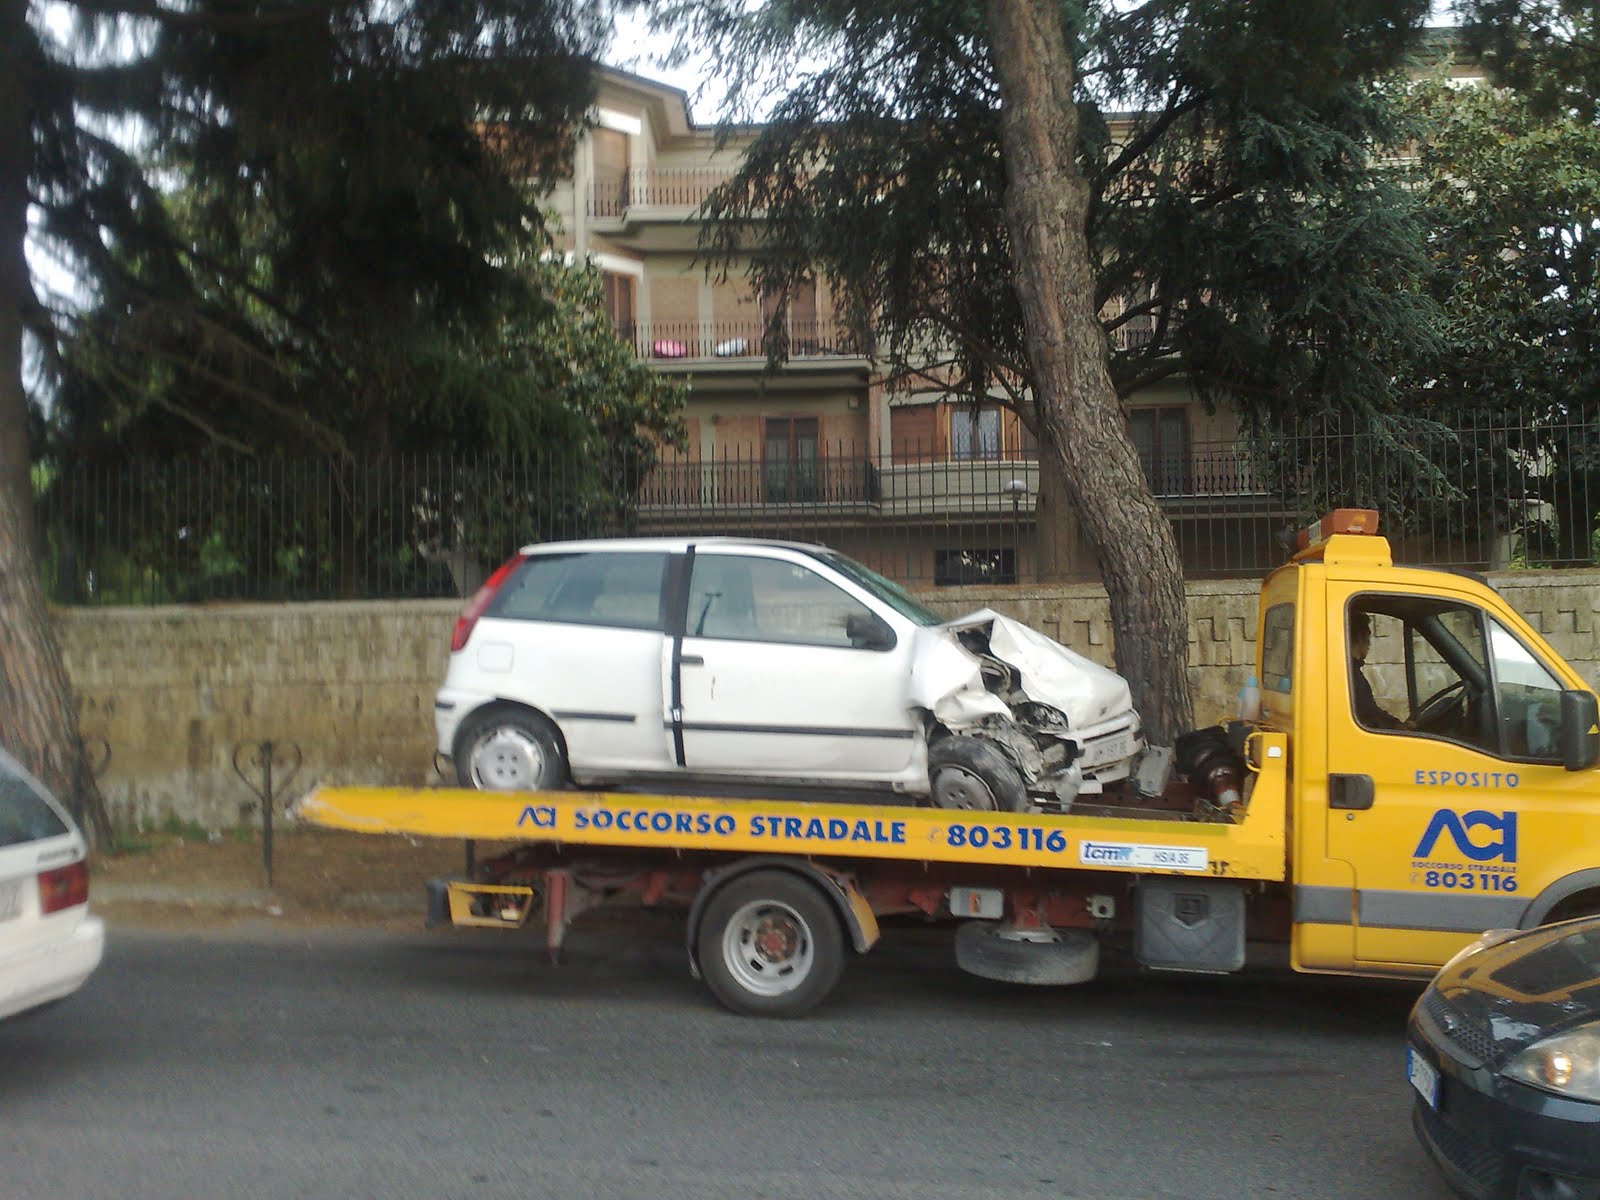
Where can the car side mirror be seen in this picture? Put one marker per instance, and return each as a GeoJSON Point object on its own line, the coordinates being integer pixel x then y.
{"type": "Point", "coordinates": [1580, 730]}
{"type": "Point", "coordinates": [868, 632]}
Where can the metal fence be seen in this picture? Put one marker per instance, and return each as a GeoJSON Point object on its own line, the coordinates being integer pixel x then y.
{"type": "Point", "coordinates": [1492, 493]}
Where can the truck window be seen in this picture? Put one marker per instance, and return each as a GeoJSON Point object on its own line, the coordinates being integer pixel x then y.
{"type": "Point", "coordinates": [1277, 648]}
{"type": "Point", "coordinates": [1429, 667]}
{"type": "Point", "coordinates": [1528, 698]}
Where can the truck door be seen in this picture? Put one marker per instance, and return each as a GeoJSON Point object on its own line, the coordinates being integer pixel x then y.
{"type": "Point", "coordinates": [1443, 768]}
{"type": "Point", "coordinates": [781, 675]}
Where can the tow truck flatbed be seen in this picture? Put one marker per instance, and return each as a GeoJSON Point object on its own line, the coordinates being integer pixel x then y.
{"type": "Point", "coordinates": [776, 888]}
{"type": "Point", "coordinates": [1247, 845]}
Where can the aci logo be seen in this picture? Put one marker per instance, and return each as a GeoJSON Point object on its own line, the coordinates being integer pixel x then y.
{"type": "Point", "coordinates": [1447, 821]}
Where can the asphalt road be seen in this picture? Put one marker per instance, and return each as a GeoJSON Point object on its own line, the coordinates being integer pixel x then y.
{"type": "Point", "coordinates": [349, 1064]}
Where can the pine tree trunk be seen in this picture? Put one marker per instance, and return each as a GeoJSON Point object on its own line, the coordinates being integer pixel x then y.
{"type": "Point", "coordinates": [38, 719]}
{"type": "Point", "coordinates": [1085, 428]}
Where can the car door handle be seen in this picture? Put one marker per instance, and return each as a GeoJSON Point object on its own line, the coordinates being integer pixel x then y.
{"type": "Point", "coordinates": [691, 660]}
{"type": "Point", "coordinates": [1350, 791]}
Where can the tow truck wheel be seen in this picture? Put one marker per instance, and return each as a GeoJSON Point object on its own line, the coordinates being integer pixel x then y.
{"type": "Point", "coordinates": [1035, 956]}
{"type": "Point", "coordinates": [509, 750]}
{"type": "Point", "coordinates": [969, 773]}
{"type": "Point", "coordinates": [770, 945]}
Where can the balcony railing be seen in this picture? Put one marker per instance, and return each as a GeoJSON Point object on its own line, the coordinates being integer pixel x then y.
{"type": "Point", "coordinates": [655, 187]}
{"type": "Point", "coordinates": [745, 483]}
{"type": "Point", "coordinates": [912, 484]}
{"type": "Point", "coordinates": [667, 341]}
{"type": "Point", "coordinates": [1204, 470]}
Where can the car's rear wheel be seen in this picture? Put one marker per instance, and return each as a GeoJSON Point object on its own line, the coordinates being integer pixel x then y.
{"type": "Point", "coordinates": [510, 750]}
{"type": "Point", "coordinates": [968, 773]}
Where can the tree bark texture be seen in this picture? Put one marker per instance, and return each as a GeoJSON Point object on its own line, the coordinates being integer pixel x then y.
{"type": "Point", "coordinates": [38, 716]}
{"type": "Point", "coordinates": [1085, 432]}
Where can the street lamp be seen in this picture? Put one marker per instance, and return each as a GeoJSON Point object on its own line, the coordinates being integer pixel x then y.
{"type": "Point", "coordinates": [1016, 489]}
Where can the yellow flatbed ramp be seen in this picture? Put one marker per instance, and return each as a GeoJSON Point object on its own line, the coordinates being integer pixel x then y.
{"type": "Point", "coordinates": [1250, 845]}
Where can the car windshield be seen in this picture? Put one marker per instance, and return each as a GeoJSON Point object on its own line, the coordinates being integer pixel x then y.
{"type": "Point", "coordinates": [25, 816]}
{"type": "Point", "coordinates": [891, 593]}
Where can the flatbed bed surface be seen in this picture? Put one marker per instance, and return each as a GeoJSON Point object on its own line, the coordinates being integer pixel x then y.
{"type": "Point", "coordinates": [1250, 845]}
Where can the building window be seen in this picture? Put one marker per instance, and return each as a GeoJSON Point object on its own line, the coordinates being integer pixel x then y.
{"type": "Point", "coordinates": [618, 290]}
{"type": "Point", "coordinates": [952, 567]}
{"type": "Point", "coordinates": [1138, 331]}
{"type": "Point", "coordinates": [975, 433]}
{"type": "Point", "coordinates": [1161, 435]}
{"type": "Point", "coordinates": [789, 458]}
{"type": "Point", "coordinates": [610, 149]}
{"type": "Point", "coordinates": [805, 335]}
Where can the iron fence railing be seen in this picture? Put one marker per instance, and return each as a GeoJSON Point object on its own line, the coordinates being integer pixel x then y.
{"type": "Point", "coordinates": [1486, 493]}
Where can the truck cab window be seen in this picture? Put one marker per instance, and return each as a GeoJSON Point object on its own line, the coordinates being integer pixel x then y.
{"type": "Point", "coordinates": [1528, 698]}
{"type": "Point", "coordinates": [1445, 670]}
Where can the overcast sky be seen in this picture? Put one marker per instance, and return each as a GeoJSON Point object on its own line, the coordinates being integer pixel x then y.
{"type": "Point", "coordinates": [634, 48]}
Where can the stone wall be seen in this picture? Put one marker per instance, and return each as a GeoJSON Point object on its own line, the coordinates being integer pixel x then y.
{"type": "Point", "coordinates": [174, 691]}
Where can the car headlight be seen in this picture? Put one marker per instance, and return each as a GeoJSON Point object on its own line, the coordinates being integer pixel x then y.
{"type": "Point", "coordinates": [1567, 1064]}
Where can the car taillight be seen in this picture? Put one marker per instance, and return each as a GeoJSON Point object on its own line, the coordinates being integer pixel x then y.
{"type": "Point", "coordinates": [64, 887]}
{"type": "Point", "coordinates": [480, 601]}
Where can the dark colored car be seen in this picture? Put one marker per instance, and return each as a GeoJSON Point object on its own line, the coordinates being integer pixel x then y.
{"type": "Point", "coordinates": [1504, 1054]}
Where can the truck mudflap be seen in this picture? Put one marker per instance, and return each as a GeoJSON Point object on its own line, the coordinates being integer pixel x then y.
{"type": "Point", "coordinates": [1189, 925]}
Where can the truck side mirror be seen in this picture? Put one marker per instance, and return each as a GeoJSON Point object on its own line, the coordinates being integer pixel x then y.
{"type": "Point", "coordinates": [1580, 730]}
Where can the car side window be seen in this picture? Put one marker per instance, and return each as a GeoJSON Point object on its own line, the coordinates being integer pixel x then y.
{"type": "Point", "coordinates": [619, 589]}
{"type": "Point", "coordinates": [768, 600]}
{"type": "Point", "coordinates": [24, 814]}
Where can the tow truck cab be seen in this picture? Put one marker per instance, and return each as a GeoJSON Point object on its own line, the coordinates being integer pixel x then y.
{"type": "Point", "coordinates": [1443, 756]}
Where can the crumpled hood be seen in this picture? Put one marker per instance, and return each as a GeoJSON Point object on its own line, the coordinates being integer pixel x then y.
{"type": "Point", "coordinates": [947, 679]}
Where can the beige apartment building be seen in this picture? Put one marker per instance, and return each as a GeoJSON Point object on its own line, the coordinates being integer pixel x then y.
{"type": "Point", "coordinates": [924, 488]}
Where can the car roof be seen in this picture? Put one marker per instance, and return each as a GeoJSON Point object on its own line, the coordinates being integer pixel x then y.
{"type": "Point", "coordinates": [667, 545]}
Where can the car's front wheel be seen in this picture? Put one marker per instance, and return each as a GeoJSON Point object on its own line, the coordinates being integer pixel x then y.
{"type": "Point", "coordinates": [510, 750]}
{"type": "Point", "coordinates": [969, 773]}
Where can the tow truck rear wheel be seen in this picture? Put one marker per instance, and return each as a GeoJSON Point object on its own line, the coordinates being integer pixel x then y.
{"type": "Point", "coordinates": [770, 945]}
{"type": "Point", "coordinates": [969, 773]}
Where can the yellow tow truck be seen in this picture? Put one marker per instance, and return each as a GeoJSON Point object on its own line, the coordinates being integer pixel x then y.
{"type": "Point", "coordinates": [1376, 813]}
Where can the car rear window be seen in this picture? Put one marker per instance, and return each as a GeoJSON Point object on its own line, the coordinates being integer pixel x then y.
{"type": "Point", "coordinates": [25, 816]}
{"type": "Point", "coordinates": [621, 589]}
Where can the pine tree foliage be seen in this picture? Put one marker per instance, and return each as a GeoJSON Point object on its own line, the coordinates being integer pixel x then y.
{"type": "Point", "coordinates": [306, 226]}
{"type": "Point", "coordinates": [1246, 236]}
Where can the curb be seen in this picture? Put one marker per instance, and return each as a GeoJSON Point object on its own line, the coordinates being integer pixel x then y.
{"type": "Point", "coordinates": [157, 893]}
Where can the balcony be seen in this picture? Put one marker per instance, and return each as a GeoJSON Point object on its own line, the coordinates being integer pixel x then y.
{"type": "Point", "coordinates": [1211, 477]}
{"type": "Point", "coordinates": [1206, 470]}
{"type": "Point", "coordinates": [677, 191]}
{"type": "Point", "coordinates": [675, 341]}
{"type": "Point", "coordinates": [745, 484]}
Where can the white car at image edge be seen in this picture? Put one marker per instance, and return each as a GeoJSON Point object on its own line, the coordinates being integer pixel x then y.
{"type": "Point", "coordinates": [674, 662]}
{"type": "Point", "coordinates": [49, 941]}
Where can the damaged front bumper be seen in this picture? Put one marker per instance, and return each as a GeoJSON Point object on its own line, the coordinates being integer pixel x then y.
{"type": "Point", "coordinates": [1065, 721]}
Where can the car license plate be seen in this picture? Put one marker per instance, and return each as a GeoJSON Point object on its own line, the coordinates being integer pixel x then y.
{"type": "Point", "coordinates": [10, 900]}
{"type": "Point", "coordinates": [1424, 1076]}
{"type": "Point", "coordinates": [1107, 750]}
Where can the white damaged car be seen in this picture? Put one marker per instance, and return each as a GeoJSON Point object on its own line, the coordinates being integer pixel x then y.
{"type": "Point", "coordinates": [673, 664]}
